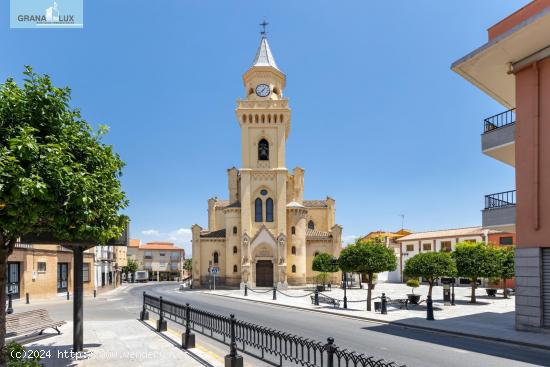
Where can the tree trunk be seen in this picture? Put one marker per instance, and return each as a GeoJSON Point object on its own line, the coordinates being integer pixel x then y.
{"type": "Point", "coordinates": [430, 289]}
{"type": "Point", "coordinates": [473, 282]}
{"type": "Point", "coordinates": [505, 288]}
{"type": "Point", "coordinates": [369, 290]}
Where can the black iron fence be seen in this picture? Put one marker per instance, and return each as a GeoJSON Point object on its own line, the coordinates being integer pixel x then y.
{"type": "Point", "coordinates": [499, 120]}
{"type": "Point", "coordinates": [500, 200]}
{"type": "Point", "coordinates": [272, 346]}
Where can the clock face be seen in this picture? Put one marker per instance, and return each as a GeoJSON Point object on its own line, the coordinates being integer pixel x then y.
{"type": "Point", "coordinates": [263, 90]}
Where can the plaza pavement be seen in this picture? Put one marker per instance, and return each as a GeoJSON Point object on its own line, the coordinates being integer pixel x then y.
{"type": "Point", "coordinates": [490, 318]}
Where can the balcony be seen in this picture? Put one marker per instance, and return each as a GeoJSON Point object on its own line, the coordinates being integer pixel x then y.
{"type": "Point", "coordinates": [500, 211]}
{"type": "Point", "coordinates": [499, 135]}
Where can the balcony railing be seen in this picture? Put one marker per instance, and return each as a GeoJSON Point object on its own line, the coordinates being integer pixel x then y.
{"type": "Point", "coordinates": [499, 120]}
{"type": "Point", "coordinates": [500, 200]}
{"type": "Point", "coordinates": [23, 245]}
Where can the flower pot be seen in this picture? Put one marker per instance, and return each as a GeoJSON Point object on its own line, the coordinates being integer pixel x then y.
{"type": "Point", "coordinates": [491, 292]}
{"type": "Point", "coordinates": [321, 288]}
{"type": "Point", "coordinates": [413, 298]}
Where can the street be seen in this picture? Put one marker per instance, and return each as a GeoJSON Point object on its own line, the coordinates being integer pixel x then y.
{"type": "Point", "coordinates": [408, 346]}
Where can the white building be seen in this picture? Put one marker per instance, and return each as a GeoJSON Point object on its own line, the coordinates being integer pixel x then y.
{"type": "Point", "coordinates": [104, 267]}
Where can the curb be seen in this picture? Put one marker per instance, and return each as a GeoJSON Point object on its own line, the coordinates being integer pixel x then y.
{"type": "Point", "coordinates": [396, 323]}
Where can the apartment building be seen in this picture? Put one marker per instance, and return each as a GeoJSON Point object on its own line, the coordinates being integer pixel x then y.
{"type": "Point", "coordinates": [45, 271]}
{"type": "Point", "coordinates": [163, 260]}
{"type": "Point", "coordinates": [513, 68]}
{"type": "Point", "coordinates": [104, 267]}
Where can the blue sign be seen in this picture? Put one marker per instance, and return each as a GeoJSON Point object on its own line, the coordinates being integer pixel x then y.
{"type": "Point", "coordinates": [215, 270]}
{"type": "Point", "coordinates": [46, 14]}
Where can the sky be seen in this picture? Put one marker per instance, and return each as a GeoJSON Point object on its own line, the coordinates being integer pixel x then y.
{"type": "Point", "coordinates": [379, 121]}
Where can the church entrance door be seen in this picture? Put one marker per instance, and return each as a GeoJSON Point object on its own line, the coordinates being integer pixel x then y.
{"type": "Point", "coordinates": [264, 273]}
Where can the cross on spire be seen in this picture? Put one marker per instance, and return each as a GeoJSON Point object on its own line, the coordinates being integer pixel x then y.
{"type": "Point", "coordinates": [264, 25]}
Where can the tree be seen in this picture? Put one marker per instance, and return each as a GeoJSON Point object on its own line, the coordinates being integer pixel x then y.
{"type": "Point", "coordinates": [323, 264]}
{"type": "Point", "coordinates": [474, 261]}
{"type": "Point", "coordinates": [368, 257]}
{"type": "Point", "coordinates": [430, 266]}
{"type": "Point", "coordinates": [413, 283]}
{"type": "Point", "coordinates": [506, 265]}
{"type": "Point", "coordinates": [131, 267]}
{"type": "Point", "coordinates": [56, 174]}
{"type": "Point", "coordinates": [188, 264]}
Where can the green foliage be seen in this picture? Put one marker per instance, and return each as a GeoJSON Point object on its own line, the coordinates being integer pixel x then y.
{"type": "Point", "coordinates": [17, 356]}
{"type": "Point", "coordinates": [475, 260]}
{"type": "Point", "coordinates": [132, 266]}
{"type": "Point", "coordinates": [321, 278]}
{"type": "Point", "coordinates": [430, 265]}
{"type": "Point", "coordinates": [368, 257]}
{"type": "Point", "coordinates": [413, 283]}
{"type": "Point", "coordinates": [188, 264]}
{"type": "Point", "coordinates": [506, 256]}
{"type": "Point", "coordinates": [56, 174]}
{"type": "Point", "coordinates": [323, 263]}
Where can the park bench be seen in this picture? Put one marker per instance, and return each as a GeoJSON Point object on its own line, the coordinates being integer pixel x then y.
{"type": "Point", "coordinates": [326, 300]}
{"type": "Point", "coordinates": [398, 302]}
{"type": "Point", "coordinates": [30, 322]}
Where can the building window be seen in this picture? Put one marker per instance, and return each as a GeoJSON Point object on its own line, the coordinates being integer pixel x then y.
{"type": "Point", "coordinates": [86, 272]}
{"type": "Point", "coordinates": [446, 246]}
{"type": "Point", "coordinates": [258, 210]}
{"type": "Point", "coordinates": [293, 230]}
{"type": "Point", "coordinates": [410, 248]}
{"type": "Point", "coordinates": [234, 249]}
{"type": "Point", "coordinates": [269, 210]}
{"type": "Point", "coordinates": [235, 230]}
{"type": "Point", "coordinates": [235, 269]}
{"type": "Point", "coordinates": [162, 253]}
{"type": "Point", "coordinates": [470, 241]}
{"type": "Point", "coordinates": [216, 257]}
{"type": "Point", "coordinates": [263, 150]}
{"type": "Point", "coordinates": [41, 267]}
{"type": "Point", "coordinates": [148, 255]}
{"type": "Point", "coordinates": [311, 224]}
{"type": "Point", "coordinates": [506, 241]}
{"type": "Point", "coordinates": [426, 247]}
{"type": "Point", "coordinates": [293, 250]}
{"type": "Point", "coordinates": [263, 192]}
{"type": "Point", "coordinates": [294, 268]}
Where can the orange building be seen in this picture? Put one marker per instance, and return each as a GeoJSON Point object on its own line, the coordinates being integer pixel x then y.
{"type": "Point", "coordinates": [513, 67]}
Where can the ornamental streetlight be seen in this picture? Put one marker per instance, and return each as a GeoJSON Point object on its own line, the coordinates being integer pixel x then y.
{"type": "Point", "coordinates": [334, 262]}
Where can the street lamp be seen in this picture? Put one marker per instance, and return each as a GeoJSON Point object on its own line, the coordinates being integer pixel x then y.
{"type": "Point", "coordinates": [10, 307]}
{"type": "Point", "coordinates": [334, 262]}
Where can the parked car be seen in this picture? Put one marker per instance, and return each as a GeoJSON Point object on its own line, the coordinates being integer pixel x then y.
{"type": "Point", "coordinates": [142, 276]}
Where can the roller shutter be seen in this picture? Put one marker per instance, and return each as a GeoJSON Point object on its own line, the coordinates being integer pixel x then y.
{"type": "Point", "coordinates": [546, 286]}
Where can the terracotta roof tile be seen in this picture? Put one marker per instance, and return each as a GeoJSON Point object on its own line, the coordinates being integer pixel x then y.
{"type": "Point", "coordinates": [134, 242]}
{"type": "Point", "coordinates": [456, 232]}
{"type": "Point", "coordinates": [159, 246]}
{"type": "Point", "coordinates": [313, 233]}
{"type": "Point", "coordinates": [220, 233]}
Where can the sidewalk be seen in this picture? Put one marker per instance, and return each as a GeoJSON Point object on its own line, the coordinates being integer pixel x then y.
{"type": "Point", "coordinates": [112, 343]}
{"type": "Point", "coordinates": [491, 318]}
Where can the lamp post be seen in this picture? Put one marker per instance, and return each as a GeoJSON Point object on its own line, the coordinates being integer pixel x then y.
{"type": "Point", "coordinates": [10, 307]}
{"type": "Point", "coordinates": [334, 262]}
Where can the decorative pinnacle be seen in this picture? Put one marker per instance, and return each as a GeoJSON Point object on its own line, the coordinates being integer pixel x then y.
{"type": "Point", "coordinates": [264, 25]}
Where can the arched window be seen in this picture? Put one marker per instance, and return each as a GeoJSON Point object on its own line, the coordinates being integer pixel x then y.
{"type": "Point", "coordinates": [244, 118]}
{"type": "Point", "coordinates": [235, 230]}
{"type": "Point", "coordinates": [216, 257]}
{"type": "Point", "coordinates": [269, 210]}
{"type": "Point", "coordinates": [263, 150]}
{"type": "Point", "coordinates": [294, 268]}
{"type": "Point", "coordinates": [235, 269]}
{"type": "Point", "coordinates": [293, 250]}
{"type": "Point", "coordinates": [250, 91]}
{"type": "Point", "coordinates": [234, 249]}
{"type": "Point", "coordinates": [311, 224]}
{"type": "Point", "coordinates": [258, 210]}
{"type": "Point", "coordinates": [293, 230]}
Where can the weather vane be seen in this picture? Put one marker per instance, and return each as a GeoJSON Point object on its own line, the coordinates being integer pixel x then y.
{"type": "Point", "coordinates": [264, 25]}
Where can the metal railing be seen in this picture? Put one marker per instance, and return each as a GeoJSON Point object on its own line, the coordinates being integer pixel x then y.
{"type": "Point", "coordinates": [273, 346]}
{"type": "Point", "coordinates": [500, 200]}
{"type": "Point", "coordinates": [23, 245]}
{"type": "Point", "coordinates": [499, 120]}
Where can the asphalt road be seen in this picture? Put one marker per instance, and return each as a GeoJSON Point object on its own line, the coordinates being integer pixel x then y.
{"type": "Point", "coordinates": [412, 347]}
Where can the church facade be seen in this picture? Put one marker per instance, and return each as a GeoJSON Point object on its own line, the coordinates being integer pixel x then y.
{"type": "Point", "coordinates": [265, 233]}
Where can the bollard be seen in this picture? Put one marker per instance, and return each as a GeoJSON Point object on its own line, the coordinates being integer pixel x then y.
{"type": "Point", "coordinates": [331, 349]}
{"type": "Point", "coordinates": [274, 293]}
{"type": "Point", "coordinates": [95, 293]}
{"type": "Point", "coordinates": [384, 309]}
{"type": "Point", "coordinates": [453, 294]}
{"type": "Point", "coordinates": [430, 309]}
{"type": "Point", "coordinates": [233, 359]}
{"type": "Point", "coordinates": [144, 314]}
{"type": "Point", "coordinates": [187, 338]}
{"type": "Point", "coordinates": [162, 325]}
{"type": "Point", "coordinates": [27, 297]}
{"type": "Point", "coordinates": [246, 290]}
{"type": "Point", "coordinates": [68, 295]}
{"type": "Point", "coordinates": [316, 297]}
{"type": "Point", "coordinates": [10, 307]}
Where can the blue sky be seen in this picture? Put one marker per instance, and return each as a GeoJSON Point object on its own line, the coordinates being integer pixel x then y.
{"type": "Point", "coordinates": [380, 122]}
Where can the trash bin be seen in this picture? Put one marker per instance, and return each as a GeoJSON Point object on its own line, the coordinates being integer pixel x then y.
{"type": "Point", "coordinates": [377, 306]}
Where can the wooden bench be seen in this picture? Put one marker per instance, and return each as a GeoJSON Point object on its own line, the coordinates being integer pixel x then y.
{"type": "Point", "coordinates": [30, 322]}
{"type": "Point", "coordinates": [398, 302]}
{"type": "Point", "coordinates": [326, 300]}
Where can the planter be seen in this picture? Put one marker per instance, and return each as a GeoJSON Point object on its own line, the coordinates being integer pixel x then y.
{"type": "Point", "coordinates": [491, 292]}
{"type": "Point", "coordinates": [413, 298]}
{"type": "Point", "coordinates": [320, 288]}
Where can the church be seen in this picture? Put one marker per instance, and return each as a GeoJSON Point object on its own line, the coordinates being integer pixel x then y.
{"type": "Point", "coordinates": [265, 234]}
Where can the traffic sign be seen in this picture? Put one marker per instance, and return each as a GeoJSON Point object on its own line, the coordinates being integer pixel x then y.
{"type": "Point", "coordinates": [215, 270]}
